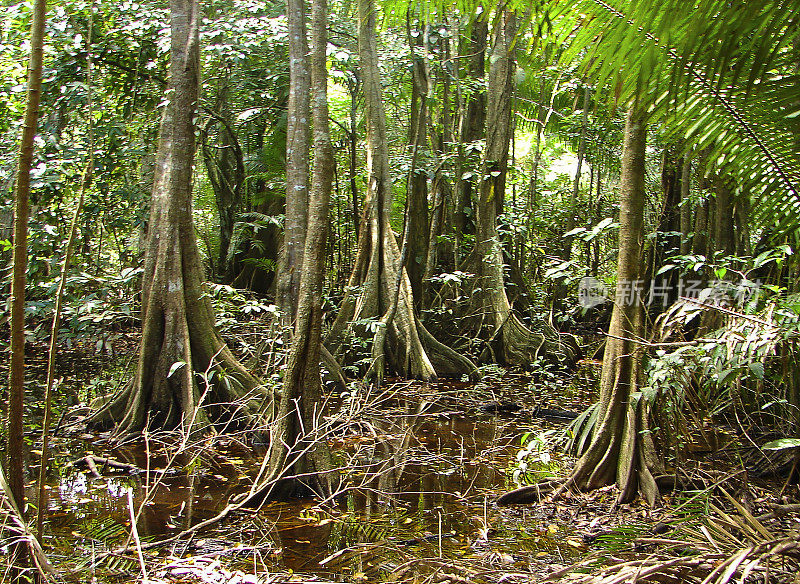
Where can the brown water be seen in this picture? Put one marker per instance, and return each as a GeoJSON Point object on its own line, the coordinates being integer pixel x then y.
{"type": "Point", "coordinates": [422, 477]}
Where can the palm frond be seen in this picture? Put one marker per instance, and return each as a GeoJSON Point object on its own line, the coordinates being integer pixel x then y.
{"type": "Point", "coordinates": [719, 75]}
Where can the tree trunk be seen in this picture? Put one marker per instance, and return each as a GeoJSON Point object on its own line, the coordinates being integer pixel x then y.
{"type": "Point", "coordinates": [686, 205]}
{"type": "Point", "coordinates": [560, 289]}
{"type": "Point", "coordinates": [441, 192]}
{"type": "Point", "coordinates": [742, 224]}
{"type": "Point", "coordinates": [598, 210]}
{"type": "Point", "coordinates": [700, 238]}
{"type": "Point", "coordinates": [621, 449]}
{"type": "Point", "coordinates": [352, 86]}
{"type": "Point", "coordinates": [417, 217]}
{"type": "Point", "coordinates": [14, 446]}
{"type": "Point", "coordinates": [412, 352]}
{"type": "Point", "coordinates": [179, 341]}
{"type": "Point", "coordinates": [542, 116]}
{"type": "Point", "coordinates": [724, 239]}
{"type": "Point", "coordinates": [441, 185]}
{"type": "Point", "coordinates": [471, 128]}
{"type": "Point", "coordinates": [225, 168]}
{"type": "Point", "coordinates": [512, 342]}
{"type": "Point", "coordinates": [667, 242]}
{"type": "Point", "coordinates": [298, 446]}
{"type": "Point", "coordinates": [576, 183]}
{"type": "Point", "coordinates": [297, 156]}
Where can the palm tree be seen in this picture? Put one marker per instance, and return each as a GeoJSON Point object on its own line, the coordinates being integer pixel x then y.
{"type": "Point", "coordinates": [720, 76]}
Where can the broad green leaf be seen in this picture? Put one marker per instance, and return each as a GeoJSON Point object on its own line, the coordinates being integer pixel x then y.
{"type": "Point", "coordinates": [757, 368]}
{"type": "Point", "coordinates": [175, 366]}
{"type": "Point", "coordinates": [782, 444]}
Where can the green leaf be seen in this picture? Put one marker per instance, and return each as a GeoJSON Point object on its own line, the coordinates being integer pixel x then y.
{"type": "Point", "coordinates": [175, 366]}
{"type": "Point", "coordinates": [782, 444]}
{"type": "Point", "coordinates": [665, 268]}
{"type": "Point", "coordinates": [762, 259]}
{"type": "Point", "coordinates": [757, 368]}
{"type": "Point", "coordinates": [607, 222]}
{"type": "Point", "coordinates": [726, 376]}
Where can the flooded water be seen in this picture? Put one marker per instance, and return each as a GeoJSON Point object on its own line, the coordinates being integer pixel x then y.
{"type": "Point", "coordinates": [422, 473]}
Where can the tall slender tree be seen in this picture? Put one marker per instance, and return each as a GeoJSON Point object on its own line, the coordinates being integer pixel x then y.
{"type": "Point", "coordinates": [667, 241]}
{"type": "Point", "coordinates": [512, 341]}
{"type": "Point", "coordinates": [417, 200]}
{"type": "Point", "coordinates": [686, 204]}
{"type": "Point", "coordinates": [183, 361]}
{"type": "Point", "coordinates": [14, 446]}
{"type": "Point", "coordinates": [411, 350]}
{"type": "Point", "coordinates": [472, 122]}
{"type": "Point", "coordinates": [677, 82]}
{"type": "Point", "coordinates": [225, 168]}
{"type": "Point", "coordinates": [297, 155]}
{"type": "Point", "coordinates": [297, 445]}
{"type": "Point", "coordinates": [622, 449]}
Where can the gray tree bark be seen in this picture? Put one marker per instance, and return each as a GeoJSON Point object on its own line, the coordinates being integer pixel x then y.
{"type": "Point", "coordinates": [513, 342]}
{"type": "Point", "coordinates": [183, 362]}
{"type": "Point", "coordinates": [418, 227]}
{"type": "Point", "coordinates": [472, 123]}
{"type": "Point", "coordinates": [668, 240]}
{"type": "Point", "coordinates": [298, 446]}
{"type": "Point", "coordinates": [622, 450]}
{"type": "Point", "coordinates": [411, 350]}
{"type": "Point", "coordinates": [700, 237]}
{"type": "Point", "coordinates": [724, 237]}
{"type": "Point", "coordinates": [297, 157]}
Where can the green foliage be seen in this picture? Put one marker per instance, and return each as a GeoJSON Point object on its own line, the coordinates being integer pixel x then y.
{"type": "Point", "coordinates": [232, 305]}
{"type": "Point", "coordinates": [782, 444]}
{"type": "Point", "coordinates": [97, 308]}
{"type": "Point", "coordinates": [245, 236]}
{"type": "Point", "coordinates": [739, 369]}
{"type": "Point", "coordinates": [580, 430]}
{"type": "Point", "coordinates": [590, 234]}
{"type": "Point", "coordinates": [534, 461]}
{"type": "Point", "coordinates": [732, 98]}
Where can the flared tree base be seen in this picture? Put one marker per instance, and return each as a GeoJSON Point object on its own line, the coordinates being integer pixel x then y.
{"type": "Point", "coordinates": [516, 344]}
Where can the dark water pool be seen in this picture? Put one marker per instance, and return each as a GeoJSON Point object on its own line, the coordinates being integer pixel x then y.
{"type": "Point", "coordinates": [424, 468]}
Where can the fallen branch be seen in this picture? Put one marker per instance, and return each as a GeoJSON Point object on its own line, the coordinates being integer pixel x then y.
{"type": "Point", "coordinates": [528, 493]}
{"type": "Point", "coordinates": [91, 463]}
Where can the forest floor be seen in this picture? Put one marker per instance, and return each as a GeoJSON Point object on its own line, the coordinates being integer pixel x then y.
{"type": "Point", "coordinates": [422, 468]}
